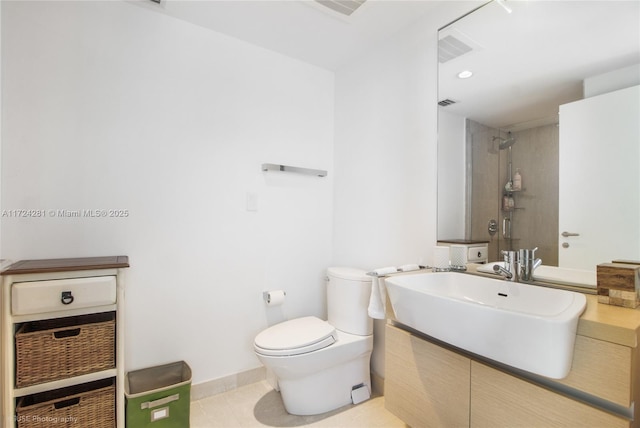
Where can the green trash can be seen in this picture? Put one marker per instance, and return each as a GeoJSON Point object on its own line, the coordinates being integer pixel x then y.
{"type": "Point", "coordinates": [158, 397]}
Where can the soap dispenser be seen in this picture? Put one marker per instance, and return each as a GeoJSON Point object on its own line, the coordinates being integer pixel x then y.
{"type": "Point", "coordinates": [517, 180]}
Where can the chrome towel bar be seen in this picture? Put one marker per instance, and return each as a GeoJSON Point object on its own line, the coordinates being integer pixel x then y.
{"type": "Point", "coordinates": [299, 170]}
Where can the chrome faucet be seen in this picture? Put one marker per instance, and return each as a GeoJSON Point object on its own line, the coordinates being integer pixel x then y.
{"type": "Point", "coordinates": [518, 265]}
{"type": "Point", "coordinates": [527, 263]}
{"type": "Point", "coordinates": [510, 270]}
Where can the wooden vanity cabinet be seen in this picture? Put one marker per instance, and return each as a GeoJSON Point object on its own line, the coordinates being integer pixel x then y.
{"type": "Point", "coordinates": [502, 400]}
{"type": "Point", "coordinates": [427, 385]}
{"type": "Point", "coordinates": [605, 370]}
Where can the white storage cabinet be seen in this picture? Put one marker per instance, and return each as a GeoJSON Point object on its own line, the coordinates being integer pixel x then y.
{"type": "Point", "coordinates": [36, 292]}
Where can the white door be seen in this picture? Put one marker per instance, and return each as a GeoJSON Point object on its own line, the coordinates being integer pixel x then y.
{"type": "Point", "coordinates": [599, 195]}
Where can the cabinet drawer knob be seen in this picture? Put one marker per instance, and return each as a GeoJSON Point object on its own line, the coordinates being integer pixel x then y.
{"type": "Point", "coordinates": [67, 298]}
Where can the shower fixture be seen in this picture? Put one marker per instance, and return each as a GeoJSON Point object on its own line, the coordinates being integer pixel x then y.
{"type": "Point", "coordinates": [505, 142]}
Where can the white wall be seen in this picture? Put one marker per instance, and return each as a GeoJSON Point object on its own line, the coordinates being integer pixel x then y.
{"type": "Point", "coordinates": [3, 262]}
{"type": "Point", "coordinates": [611, 81]}
{"type": "Point", "coordinates": [386, 153]}
{"type": "Point", "coordinates": [110, 106]}
{"type": "Point", "coordinates": [107, 106]}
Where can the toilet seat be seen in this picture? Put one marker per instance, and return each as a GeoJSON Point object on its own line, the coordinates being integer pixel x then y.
{"type": "Point", "coordinates": [295, 337]}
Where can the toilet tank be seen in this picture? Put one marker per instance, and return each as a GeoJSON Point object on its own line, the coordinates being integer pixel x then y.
{"type": "Point", "coordinates": [348, 292]}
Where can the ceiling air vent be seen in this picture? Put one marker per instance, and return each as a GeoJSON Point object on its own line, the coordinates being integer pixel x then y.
{"type": "Point", "coordinates": [446, 102]}
{"type": "Point", "coordinates": [345, 7]}
{"type": "Point", "coordinates": [450, 47]}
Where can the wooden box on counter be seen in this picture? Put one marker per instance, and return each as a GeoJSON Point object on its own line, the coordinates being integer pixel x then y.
{"type": "Point", "coordinates": [619, 284]}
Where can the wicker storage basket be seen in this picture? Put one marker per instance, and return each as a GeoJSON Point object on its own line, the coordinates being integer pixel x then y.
{"type": "Point", "coordinates": [87, 405]}
{"type": "Point", "coordinates": [60, 348]}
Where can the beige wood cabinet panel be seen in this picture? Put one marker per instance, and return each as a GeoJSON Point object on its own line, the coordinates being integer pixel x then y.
{"type": "Point", "coordinates": [501, 400]}
{"type": "Point", "coordinates": [602, 369]}
{"type": "Point", "coordinates": [425, 385]}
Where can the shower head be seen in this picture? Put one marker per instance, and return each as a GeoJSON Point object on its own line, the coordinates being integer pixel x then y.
{"type": "Point", "coordinates": [505, 142]}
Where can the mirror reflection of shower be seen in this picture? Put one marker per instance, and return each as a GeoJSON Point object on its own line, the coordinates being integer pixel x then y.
{"type": "Point", "coordinates": [513, 180]}
{"type": "Point", "coordinates": [508, 201]}
{"type": "Point", "coordinates": [506, 143]}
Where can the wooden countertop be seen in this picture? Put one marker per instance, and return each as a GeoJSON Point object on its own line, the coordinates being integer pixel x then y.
{"type": "Point", "coordinates": [69, 264]}
{"type": "Point", "coordinates": [610, 323]}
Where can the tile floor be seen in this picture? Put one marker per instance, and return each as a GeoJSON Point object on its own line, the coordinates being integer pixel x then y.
{"type": "Point", "coordinates": [258, 405]}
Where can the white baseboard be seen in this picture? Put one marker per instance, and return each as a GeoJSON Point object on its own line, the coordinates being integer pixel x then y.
{"type": "Point", "coordinates": [231, 382]}
{"type": "Point", "coordinates": [227, 383]}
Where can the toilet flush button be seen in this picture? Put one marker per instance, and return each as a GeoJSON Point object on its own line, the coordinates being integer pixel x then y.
{"type": "Point", "coordinates": [360, 393]}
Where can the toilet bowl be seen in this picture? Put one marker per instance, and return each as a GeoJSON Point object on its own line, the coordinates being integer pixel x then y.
{"type": "Point", "coordinates": [322, 365]}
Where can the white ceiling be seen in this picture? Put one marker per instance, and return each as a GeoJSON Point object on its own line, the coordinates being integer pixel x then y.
{"type": "Point", "coordinates": [301, 29]}
{"type": "Point", "coordinates": [534, 59]}
{"type": "Point", "coordinates": [530, 61]}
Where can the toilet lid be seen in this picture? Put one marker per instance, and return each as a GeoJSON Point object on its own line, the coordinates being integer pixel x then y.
{"type": "Point", "coordinates": [294, 337]}
{"type": "Point", "coordinates": [351, 274]}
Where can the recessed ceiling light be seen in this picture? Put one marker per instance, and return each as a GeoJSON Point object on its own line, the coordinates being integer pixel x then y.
{"type": "Point", "coordinates": [465, 74]}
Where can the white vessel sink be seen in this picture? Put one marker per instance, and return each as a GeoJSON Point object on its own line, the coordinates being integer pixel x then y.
{"type": "Point", "coordinates": [529, 327]}
{"type": "Point", "coordinates": [559, 275]}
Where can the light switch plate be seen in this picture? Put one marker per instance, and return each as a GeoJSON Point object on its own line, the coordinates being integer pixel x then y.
{"type": "Point", "coordinates": [252, 201]}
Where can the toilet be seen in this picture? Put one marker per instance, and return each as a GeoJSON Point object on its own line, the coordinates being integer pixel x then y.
{"type": "Point", "coordinates": [322, 365]}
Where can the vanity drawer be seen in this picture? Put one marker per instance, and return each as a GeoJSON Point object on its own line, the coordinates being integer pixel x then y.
{"type": "Point", "coordinates": [478, 254]}
{"type": "Point", "coordinates": [62, 294]}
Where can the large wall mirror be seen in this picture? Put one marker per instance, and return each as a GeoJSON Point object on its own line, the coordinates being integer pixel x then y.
{"type": "Point", "coordinates": [511, 73]}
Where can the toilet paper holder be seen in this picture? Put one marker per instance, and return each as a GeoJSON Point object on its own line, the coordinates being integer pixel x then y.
{"type": "Point", "coordinates": [266, 296]}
